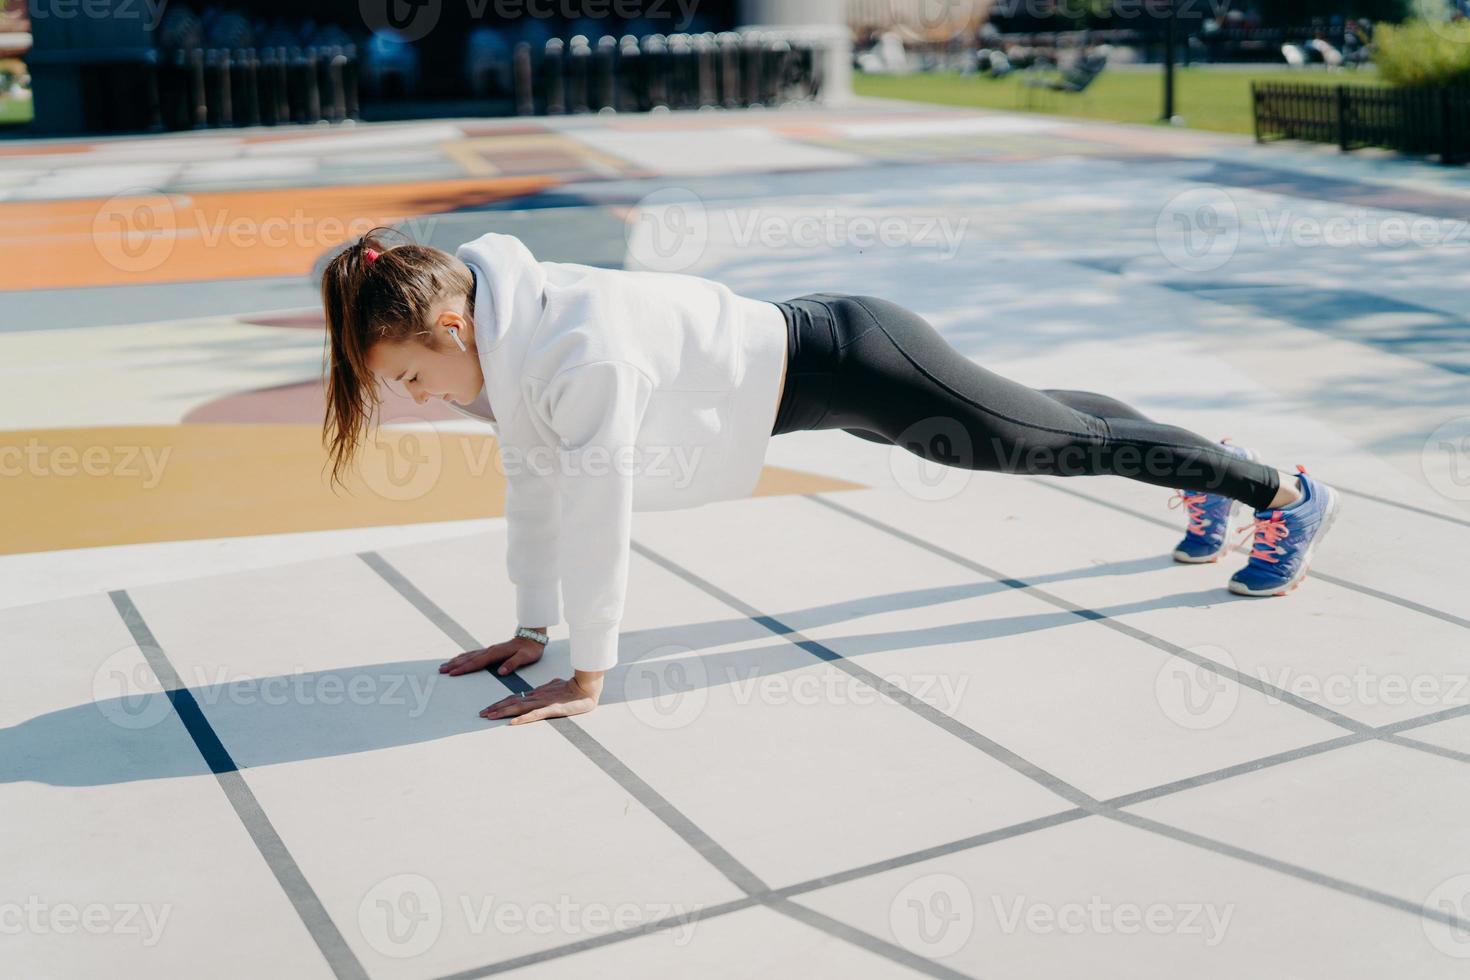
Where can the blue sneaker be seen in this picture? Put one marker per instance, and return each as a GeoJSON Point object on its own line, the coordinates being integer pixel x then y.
{"type": "Point", "coordinates": [1209, 518]}
{"type": "Point", "coordinates": [1285, 539]}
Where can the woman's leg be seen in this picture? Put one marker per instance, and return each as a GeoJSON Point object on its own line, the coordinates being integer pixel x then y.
{"type": "Point", "coordinates": [883, 370]}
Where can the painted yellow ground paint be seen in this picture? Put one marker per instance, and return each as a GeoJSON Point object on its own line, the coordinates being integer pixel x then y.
{"type": "Point", "coordinates": [96, 486]}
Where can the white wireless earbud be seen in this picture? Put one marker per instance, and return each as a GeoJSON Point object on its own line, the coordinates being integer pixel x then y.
{"type": "Point", "coordinates": [453, 332]}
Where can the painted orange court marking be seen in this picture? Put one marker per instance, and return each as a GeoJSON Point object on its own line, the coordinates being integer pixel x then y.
{"type": "Point", "coordinates": [178, 237]}
{"type": "Point", "coordinates": [90, 487]}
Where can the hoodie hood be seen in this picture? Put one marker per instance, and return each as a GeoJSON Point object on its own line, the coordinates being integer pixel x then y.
{"type": "Point", "coordinates": [510, 297]}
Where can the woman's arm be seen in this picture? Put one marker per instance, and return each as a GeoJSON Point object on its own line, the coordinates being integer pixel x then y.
{"type": "Point", "coordinates": [595, 409]}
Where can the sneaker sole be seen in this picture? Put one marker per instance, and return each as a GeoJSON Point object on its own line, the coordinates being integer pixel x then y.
{"type": "Point", "coordinates": [1334, 504]}
{"type": "Point", "coordinates": [1188, 559]}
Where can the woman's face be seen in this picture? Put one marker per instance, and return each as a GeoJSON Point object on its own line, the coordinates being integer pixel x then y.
{"type": "Point", "coordinates": [424, 372]}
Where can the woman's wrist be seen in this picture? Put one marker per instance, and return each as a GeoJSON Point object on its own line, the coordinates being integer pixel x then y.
{"type": "Point", "coordinates": [589, 681]}
{"type": "Point", "coordinates": [544, 638]}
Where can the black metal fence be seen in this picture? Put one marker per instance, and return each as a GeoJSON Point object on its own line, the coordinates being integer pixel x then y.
{"type": "Point", "coordinates": [188, 88]}
{"type": "Point", "coordinates": [676, 71]}
{"type": "Point", "coordinates": [1428, 121]}
{"type": "Point", "coordinates": [199, 87]}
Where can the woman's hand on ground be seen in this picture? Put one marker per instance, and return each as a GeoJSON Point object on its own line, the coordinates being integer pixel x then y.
{"type": "Point", "coordinates": [511, 655]}
{"type": "Point", "coordinates": [556, 698]}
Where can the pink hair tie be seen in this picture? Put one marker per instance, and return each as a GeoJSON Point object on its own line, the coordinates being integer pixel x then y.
{"type": "Point", "coordinates": [372, 254]}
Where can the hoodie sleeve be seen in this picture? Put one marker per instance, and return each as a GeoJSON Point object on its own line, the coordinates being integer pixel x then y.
{"type": "Point", "coordinates": [596, 410]}
{"type": "Point", "coordinates": [531, 517]}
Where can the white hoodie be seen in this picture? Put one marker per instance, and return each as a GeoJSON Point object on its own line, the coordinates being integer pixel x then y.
{"type": "Point", "coordinates": [612, 391]}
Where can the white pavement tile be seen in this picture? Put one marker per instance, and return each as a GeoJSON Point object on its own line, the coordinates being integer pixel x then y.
{"type": "Point", "coordinates": [1365, 658]}
{"type": "Point", "coordinates": [145, 374]}
{"type": "Point", "coordinates": [249, 169]}
{"type": "Point", "coordinates": [121, 854]}
{"type": "Point", "coordinates": [1452, 734]}
{"type": "Point", "coordinates": [753, 942]}
{"type": "Point", "coordinates": [1415, 556]}
{"type": "Point", "coordinates": [42, 576]}
{"type": "Point", "coordinates": [1380, 815]}
{"type": "Point", "coordinates": [789, 764]}
{"type": "Point", "coordinates": [363, 140]}
{"type": "Point", "coordinates": [98, 181]}
{"type": "Point", "coordinates": [1097, 899]}
{"type": "Point", "coordinates": [716, 151]}
{"type": "Point", "coordinates": [999, 123]}
{"type": "Point", "coordinates": [1105, 712]}
{"type": "Point", "coordinates": [437, 841]}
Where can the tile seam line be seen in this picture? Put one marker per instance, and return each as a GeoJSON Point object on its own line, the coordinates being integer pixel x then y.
{"type": "Point", "coordinates": [1321, 712]}
{"type": "Point", "coordinates": [1093, 806]}
{"type": "Point", "coordinates": [1367, 590]}
{"type": "Point", "coordinates": [147, 643]}
{"type": "Point", "coordinates": [662, 809]}
{"type": "Point", "coordinates": [595, 752]}
{"type": "Point", "coordinates": [1010, 832]}
{"type": "Point", "coordinates": [963, 844]}
{"type": "Point", "coordinates": [271, 847]}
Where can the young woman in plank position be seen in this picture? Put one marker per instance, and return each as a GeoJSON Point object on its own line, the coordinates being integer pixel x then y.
{"type": "Point", "coordinates": [592, 378]}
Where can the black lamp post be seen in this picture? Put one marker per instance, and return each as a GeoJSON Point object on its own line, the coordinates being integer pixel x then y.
{"type": "Point", "coordinates": [1169, 20]}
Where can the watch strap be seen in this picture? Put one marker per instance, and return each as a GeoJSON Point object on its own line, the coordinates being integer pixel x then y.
{"type": "Point", "coordinates": [531, 634]}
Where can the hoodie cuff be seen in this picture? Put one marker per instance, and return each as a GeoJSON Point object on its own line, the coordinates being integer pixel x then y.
{"type": "Point", "coordinates": [594, 647]}
{"type": "Point", "coordinates": [539, 604]}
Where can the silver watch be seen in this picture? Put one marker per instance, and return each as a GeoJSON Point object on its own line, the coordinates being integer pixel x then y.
{"type": "Point", "coordinates": [531, 634]}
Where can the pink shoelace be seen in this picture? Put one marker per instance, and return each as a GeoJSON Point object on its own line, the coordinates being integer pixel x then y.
{"type": "Point", "coordinates": [1270, 531]}
{"type": "Point", "coordinates": [1194, 503]}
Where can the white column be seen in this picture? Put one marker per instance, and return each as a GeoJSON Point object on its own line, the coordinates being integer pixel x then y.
{"type": "Point", "coordinates": [821, 20]}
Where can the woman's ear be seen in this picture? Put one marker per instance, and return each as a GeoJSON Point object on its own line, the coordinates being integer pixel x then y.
{"type": "Point", "coordinates": [463, 327]}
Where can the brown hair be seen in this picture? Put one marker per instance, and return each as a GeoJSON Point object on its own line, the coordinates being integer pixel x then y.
{"type": "Point", "coordinates": [389, 297]}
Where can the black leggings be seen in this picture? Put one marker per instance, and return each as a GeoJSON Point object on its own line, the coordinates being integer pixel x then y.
{"type": "Point", "coordinates": [881, 372]}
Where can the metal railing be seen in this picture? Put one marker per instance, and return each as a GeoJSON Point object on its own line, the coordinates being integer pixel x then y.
{"type": "Point", "coordinates": [199, 87]}
{"type": "Point", "coordinates": [1428, 121]}
{"type": "Point", "coordinates": [676, 71]}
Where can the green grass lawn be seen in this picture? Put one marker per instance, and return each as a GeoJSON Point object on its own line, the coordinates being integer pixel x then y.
{"type": "Point", "coordinates": [15, 110]}
{"type": "Point", "coordinates": [1207, 98]}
